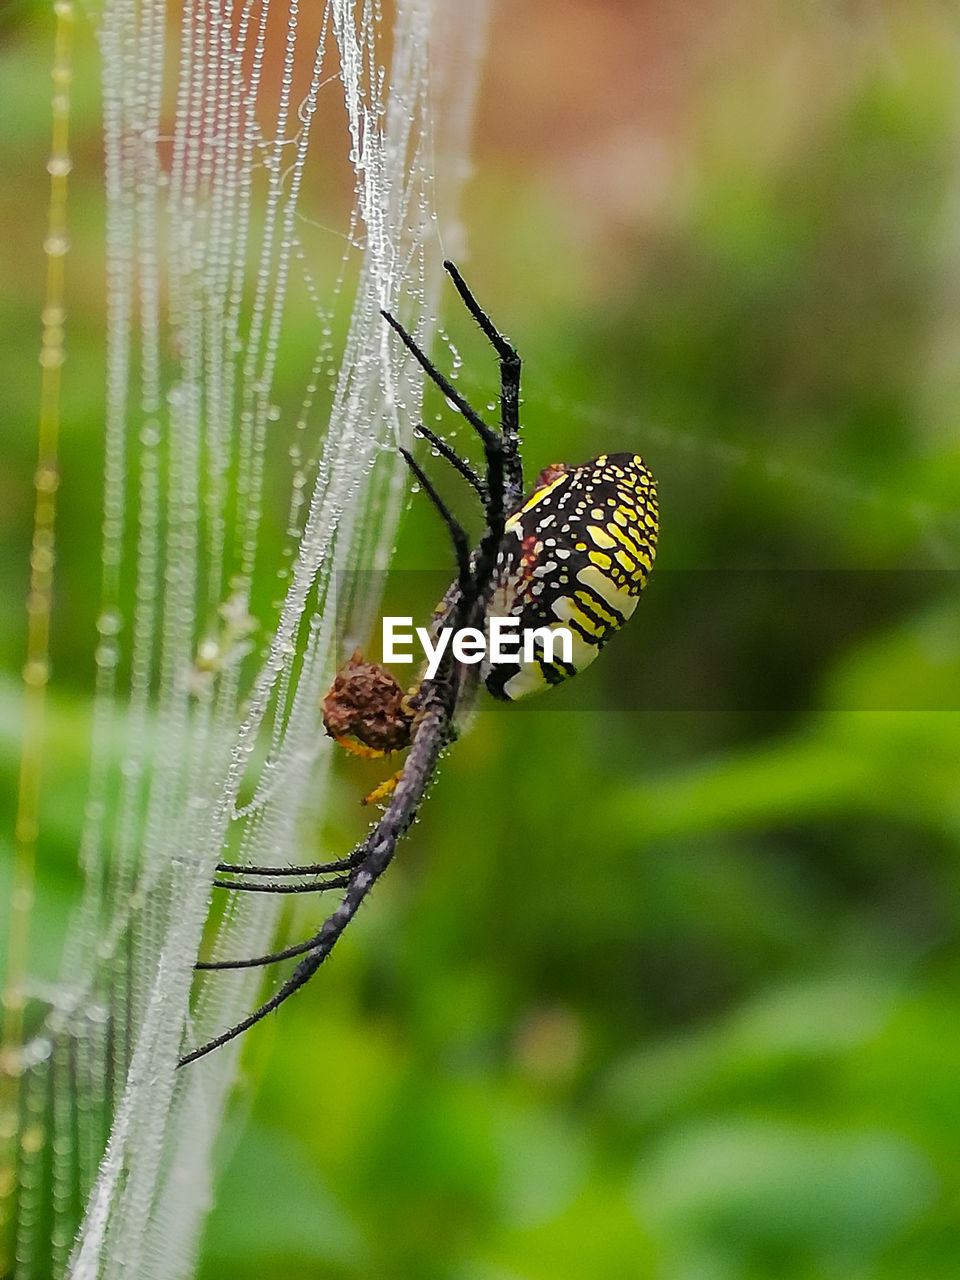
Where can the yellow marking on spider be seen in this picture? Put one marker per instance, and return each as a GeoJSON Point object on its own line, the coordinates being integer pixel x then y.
{"type": "Point", "coordinates": [537, 497]}
{"type": "Point", "coordinates": [618, 535]}
{"type": "Point", "coordinates": [359, 748]}
{"type": "Point", "coordinates": [567, 610]}
{"type": "Point", "coordinates": [385, 788]}
{"type": "Point", "coordinates": [590, 602]}
{"type": "Point", "coordinates": [603, 586]}
{"type": "Point", "coordinates": [532, 676]}
{"type": "Point", "coordinates": [600, 536]}
{"type": "Point", "coordinates": [586, 623]}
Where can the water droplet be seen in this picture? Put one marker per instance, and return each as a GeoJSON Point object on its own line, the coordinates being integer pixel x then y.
{"type": "Point", "coordinates": [107, 656]}
{"type": "Point", "coordinates": [35, 672]}
{"type": "Point", "coordinates": [110, 622]}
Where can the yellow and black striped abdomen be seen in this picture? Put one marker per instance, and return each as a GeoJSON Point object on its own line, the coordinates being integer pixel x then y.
{"type": "Point", "coordinates": [577, 555]}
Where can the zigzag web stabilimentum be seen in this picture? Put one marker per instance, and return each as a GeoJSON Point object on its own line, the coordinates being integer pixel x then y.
{"type": "Point", "coordinates": [219, 616]}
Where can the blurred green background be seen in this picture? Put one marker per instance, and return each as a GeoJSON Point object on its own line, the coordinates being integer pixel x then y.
{"type": "Point", "coordinates": [666, 981]}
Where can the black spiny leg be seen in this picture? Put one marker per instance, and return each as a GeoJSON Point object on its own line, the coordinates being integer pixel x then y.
{"type": "Point", "coordinates": [309, 869]}
{"type": "Point", "coordinates": [455, 461]}
{"type": "Point", "coordinates": [457, 535]}
{"type": "Point", "coordinates": [270, 886]}
{"type": "Point", "coordinates": [287, 953]}
{"type": "Point", "coordinates": [509, 387]}
{"type": "Point", "coordinates": [486, 434]}
{"type": "Point", "coordinates": [378, 850]}
{"type": "Point", "coordinates": [496, 499]}
{"type": "Point", "coordinates": [496, 516]}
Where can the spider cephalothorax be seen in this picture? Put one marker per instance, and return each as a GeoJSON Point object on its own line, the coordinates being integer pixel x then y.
{"type": "Point", "coordinates": [575, 554]}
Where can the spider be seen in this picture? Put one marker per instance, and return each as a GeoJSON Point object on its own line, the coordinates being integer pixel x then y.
{"type": "Point", "coordinates": [576, 553]}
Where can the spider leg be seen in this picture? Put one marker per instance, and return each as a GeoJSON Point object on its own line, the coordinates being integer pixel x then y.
{"type": "Point", "coordinates": [378, 850]}
{"type": "Point", "coordinates": [485, 433]}
{"type": "Point", "coordinates": [459, 538]}
{"type": "Point", "coordinates": [310, 869]}
{"type": "Point", "coordinates": [296, 950]}
{"type": "Point", "coordinates": [502, 347]}
{"type": "Point", "coordinates": [454, 459]}
{"type": "Point", "coordinates": [498, 494]}
{"type": "Point", "coordinates": [267, 886]}
{"type": "Point", "coordinates": [301, 974]}
{"type": "Point", "coordinates": [509, 386]}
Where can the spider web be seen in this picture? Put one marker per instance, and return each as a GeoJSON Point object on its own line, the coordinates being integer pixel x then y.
{"type": "Point", "coordinates": [216, 639]}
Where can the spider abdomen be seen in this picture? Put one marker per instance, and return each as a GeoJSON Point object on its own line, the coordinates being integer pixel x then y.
{"type": "Point", "coordinates": [577, 554]}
